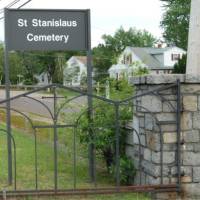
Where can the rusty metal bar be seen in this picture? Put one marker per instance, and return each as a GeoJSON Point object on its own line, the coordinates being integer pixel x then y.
{"type": "Point", "coordinates": [112, 190]}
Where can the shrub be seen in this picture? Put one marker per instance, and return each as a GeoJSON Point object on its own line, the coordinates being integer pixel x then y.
{"type": "Point", "coordinates": [180, 67]}
{"type": "Point", "coordinates": [127, 170]}
{"type": "Point", "coordinates": [102, 131]}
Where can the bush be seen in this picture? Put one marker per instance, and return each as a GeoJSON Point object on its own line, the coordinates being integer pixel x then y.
{"type": "Point", "coordinates": [180, 67]}
{"type": "Point", "coordinates": [127, 170]}
{"type": "Point", "coordinates": [139, 69]}
{"type": "Point", "coordinates": [104, 132]}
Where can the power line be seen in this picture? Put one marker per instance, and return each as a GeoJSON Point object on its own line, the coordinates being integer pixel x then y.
{"type": "Point", "coordinates": [17, 1]}
{"type": "Point", "coordinates": [10, 5]}
{"type": "Point", "coordinates": [24, 4]}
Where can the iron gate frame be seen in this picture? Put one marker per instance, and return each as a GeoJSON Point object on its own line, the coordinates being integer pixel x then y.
{"type": "Point", "coordinates": [117, 188]}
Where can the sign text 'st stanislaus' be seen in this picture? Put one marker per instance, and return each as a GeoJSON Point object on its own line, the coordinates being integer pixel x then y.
{"type": "Point", "coordinates": [46, 29]}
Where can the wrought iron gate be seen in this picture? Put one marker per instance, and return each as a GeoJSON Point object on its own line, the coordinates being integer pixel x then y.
{"type": "Point", "coordinates": [55, 111]}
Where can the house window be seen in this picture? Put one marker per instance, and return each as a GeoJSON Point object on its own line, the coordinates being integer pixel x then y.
{"type": "Point", "coordinates": [175, 57]}
{"type": "Point", "coordinates": [127, 59]}
{"type": "Point", "coordinates": [124, 59]}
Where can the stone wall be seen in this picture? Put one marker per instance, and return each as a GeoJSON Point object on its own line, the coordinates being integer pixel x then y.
{"type": "Point", "coordinates": [159, 118]}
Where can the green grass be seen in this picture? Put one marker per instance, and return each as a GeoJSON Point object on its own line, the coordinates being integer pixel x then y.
{"type": "Point", "coordinates": [25, 163]}
{"type": "Point", "coordinates": [95, 197]}
{"type": "Point", "coordinates": [67, 93]}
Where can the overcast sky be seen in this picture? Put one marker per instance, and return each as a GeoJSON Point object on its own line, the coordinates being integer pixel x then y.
{"type": "Point", "coordinates": [107, 15]}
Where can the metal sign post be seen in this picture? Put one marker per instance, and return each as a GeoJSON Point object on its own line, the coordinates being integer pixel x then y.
{"type": "Point", "coordinates": [47, 30]}
{"type": "Point", "coordinates": [90, 105]}
{"type": "Point", "coordinates": [8, 116]}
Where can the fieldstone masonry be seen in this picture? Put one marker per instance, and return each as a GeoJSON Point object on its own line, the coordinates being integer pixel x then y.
{"type": "Point", "coordinates": [153, 114]}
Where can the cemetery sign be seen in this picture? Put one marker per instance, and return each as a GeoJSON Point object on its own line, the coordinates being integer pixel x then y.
{"type": "Point", "coordinates": [28, 29]}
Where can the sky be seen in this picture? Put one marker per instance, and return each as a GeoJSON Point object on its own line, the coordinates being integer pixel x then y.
{"type": "Point", "coordinates": [106, 15]}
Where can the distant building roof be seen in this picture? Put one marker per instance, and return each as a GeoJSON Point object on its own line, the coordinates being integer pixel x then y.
{"type": "Point", "coordinates": [82, 59]}
{"type": "Point", "coordinates": [147, 55]}
{"type": "Point", "coordinates": [115, 68]}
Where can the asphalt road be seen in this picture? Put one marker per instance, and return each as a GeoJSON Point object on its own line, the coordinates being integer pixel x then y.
{"type": "Point", "coordinates": [28, 105]}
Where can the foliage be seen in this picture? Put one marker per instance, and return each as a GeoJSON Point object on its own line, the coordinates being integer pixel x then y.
{"type": "Point", "coordinates": [132, 37]}
{"type": "Point", "coordinates": [103, 58]}
{"type": "Point", "coordinates": [138, 69]}
{"type": "Point", "coordinates": [34, 63]}
{"type": "Point", "coordinates": [127, 170]}
{"type": "Point", "coordinates": [175, 22]}
{"type": "Point", "coordinates": [180, 67]}
{"type": "Point", "coordinates": [83, 78]}
{"type": "Point", "coordinates": [16, 67]}
{"type": "Point", "coordinates": [60, 61]}
{"type": "Point", "coordinates": [25, 165]}
{"type": "Point", "coordinates": [104, 131]}
{"type": "Point", "coordinates": [120, 89]}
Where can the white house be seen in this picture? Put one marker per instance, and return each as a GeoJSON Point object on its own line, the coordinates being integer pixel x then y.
{"type": "Point", "coordinates": [75, 71]}
{"type": "Point", "coordinates": [157, 60]}
{"type": "Point", "coordinates": [118, 71]}
{"type": "Point", "coordinates": [43, 79]}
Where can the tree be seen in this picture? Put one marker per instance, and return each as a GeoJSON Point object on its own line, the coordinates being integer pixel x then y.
{"type": "Point", "coordinates": [175, 22]}
{"type": "Point", "coordinates": [60, 63]}
{"type": "Point", "coordinates": [132, 37]}
{"type": "Point", "coordinates": [102, 60]}
{"type": "Point", "coordinates": [16, 67]}
{"type": "Point", "coordinates": [180, 67]}
{"type": "Point", "coordinates": [31, 67]}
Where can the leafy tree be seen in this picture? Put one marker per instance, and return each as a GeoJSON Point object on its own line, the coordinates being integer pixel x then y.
{"type": "Point", "coordinates": [15, 64]}
{"type": "Point", "coordinates": [132, 37]}
{"type": "Point", "coordinates": [180, 67]}
{"type": "Point", "coordinates": [175, 22]}
{"type": "Point", "coordinates": [16, 67]}
{"type": "Point", "coordinates": [102, 60]}
{"type": "Point", "coordinates": [47, 61]}
{"type": "Point", "coordinates": [32, 67]}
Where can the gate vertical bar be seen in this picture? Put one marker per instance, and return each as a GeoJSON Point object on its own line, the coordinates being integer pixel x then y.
{"type": "Point", "coordinates": [36, 160]}
{"type": "Point", "coordinates": [178, 119]}
{"type": "Point", "coordinates": [74, 156]}
{"type": "Point", "coordinates": [90, 104]}
{"type": "Point", "coordinates": [55, 141]}
{"type": "Point", "coordinates": [117, 132]}
{"type": "Point", "coordinates": [8, 114]}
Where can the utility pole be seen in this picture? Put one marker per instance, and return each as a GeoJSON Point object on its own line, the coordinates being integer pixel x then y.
{"type": "Point", "coordinates": [193, 58]}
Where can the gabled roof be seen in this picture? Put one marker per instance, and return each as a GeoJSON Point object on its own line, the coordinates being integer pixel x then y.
{"type": "Point", "coordinates": [82, 59]}
{"type": "Point", "coordinates": [145, 56]}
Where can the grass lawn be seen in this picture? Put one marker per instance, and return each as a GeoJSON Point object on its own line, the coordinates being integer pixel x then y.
{"type": "Point", "coordinates": [26, 171]}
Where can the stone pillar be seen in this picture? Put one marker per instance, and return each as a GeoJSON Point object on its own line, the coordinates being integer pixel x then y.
{"type": "Point", "coordinates": [150, 143]}
{"type": "Point", "coordinates": [193, 60]}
